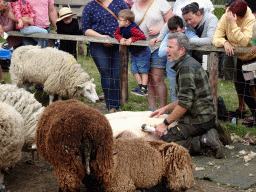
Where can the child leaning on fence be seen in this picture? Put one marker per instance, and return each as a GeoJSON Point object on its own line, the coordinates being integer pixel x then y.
{"type": "Point", "coordinates": [128, 32]}
{"type": "Point", "coordinates": [68, 25]}
{"type": "Point", "coordinates": [25, 14]}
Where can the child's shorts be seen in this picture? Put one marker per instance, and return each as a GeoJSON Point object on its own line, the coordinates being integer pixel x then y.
{"type": "Point", "coordinates": [156, 61]}
{"type": "Point", "coordinates": [140, 63]}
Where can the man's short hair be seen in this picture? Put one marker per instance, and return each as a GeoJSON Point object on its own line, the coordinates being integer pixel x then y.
{"type": "Point", "coordinates": [127, 14]}
{"type": "Point", "coordinates": [175, 22]}
{"type": "Point", "coordinates": [182, 40]}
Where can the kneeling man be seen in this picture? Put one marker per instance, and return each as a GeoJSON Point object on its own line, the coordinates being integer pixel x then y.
{"type": "Point", "coordinates": [194, 109]}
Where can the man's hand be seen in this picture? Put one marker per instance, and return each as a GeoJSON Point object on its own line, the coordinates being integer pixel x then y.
{"type": "Point", "coordinates": [154, 40]}
{"type": "Point", "coordinates": [231, 18]}
{"type": "Point", "coordinates": [229, 49]}
{"type": "Point", "coordinates": [160, 129]}
{"type": "Point", "coordinates": [158, 112]}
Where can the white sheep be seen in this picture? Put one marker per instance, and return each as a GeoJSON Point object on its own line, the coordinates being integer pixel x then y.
{"type": "Point", "coordinates": [57, 71]}
{"type": "Point", "coordinates": [11, 136]}
{"type": "Point", "coordinates": [27, 106]}
{"type": "Point", "coordinates": [133, 121]}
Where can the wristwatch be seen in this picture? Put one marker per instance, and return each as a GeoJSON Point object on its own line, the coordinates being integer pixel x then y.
{"type": "Point", "coordinates": [166, 122]}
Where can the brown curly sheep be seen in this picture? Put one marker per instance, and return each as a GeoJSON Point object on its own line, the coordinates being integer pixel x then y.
{"type": "Point", "coordinates": [144, 164]}
{"type": "Point", "coordinates": [70, 134]}
{"type": "Point", "coordinates": [76, 140]}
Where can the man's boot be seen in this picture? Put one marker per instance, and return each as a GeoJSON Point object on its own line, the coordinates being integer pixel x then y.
{"type": "Point", "coordinates": [211, 139]}
{"type": "Point", "coordinates": [223, 133]}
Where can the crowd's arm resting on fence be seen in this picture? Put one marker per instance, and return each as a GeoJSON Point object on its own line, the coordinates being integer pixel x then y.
{"type": "Point", "coordinates": [213, 59]}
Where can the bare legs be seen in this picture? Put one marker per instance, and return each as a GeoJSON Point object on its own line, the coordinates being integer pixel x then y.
{"type": "Point", "coordinates": [157, 88]}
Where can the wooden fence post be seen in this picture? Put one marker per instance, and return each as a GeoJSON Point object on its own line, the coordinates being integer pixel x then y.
{"type": "Point", "coordinates": [213, 75]}
{"type": "Point", "coordinates": [123, 74]}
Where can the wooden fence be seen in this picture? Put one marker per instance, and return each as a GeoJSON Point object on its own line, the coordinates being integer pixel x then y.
{"type": "Point", "coordinates": [211, 50]}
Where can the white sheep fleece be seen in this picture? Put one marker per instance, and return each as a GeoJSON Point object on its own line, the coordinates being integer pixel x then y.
{"type": "Point", "coordinates": [26, 105]}
{"type": "Point", "coordinates": [11, 134]}
{"type": "Point", "coordinates": [57, 71]}
{"type": "Point", "coordinates": [132, 121]}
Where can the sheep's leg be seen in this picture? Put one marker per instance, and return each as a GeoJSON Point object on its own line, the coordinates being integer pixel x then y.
{"type": "Point", "coordinates": [51, 97]}
{"type": "Point", "coordinates": [59, 97]}
{"type": "Point", "coordinates": [2, 187]}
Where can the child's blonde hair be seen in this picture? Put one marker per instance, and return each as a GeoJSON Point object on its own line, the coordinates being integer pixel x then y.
{"type": "Point", "coordinates": [127, 14]}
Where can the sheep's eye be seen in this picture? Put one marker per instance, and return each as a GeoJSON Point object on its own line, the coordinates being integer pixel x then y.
{"type": "Point", "coordinates": [88, 90]}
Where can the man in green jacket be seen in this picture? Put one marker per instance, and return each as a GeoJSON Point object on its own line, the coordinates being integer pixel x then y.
{"type": "Point", "coordinates": [194, 110]}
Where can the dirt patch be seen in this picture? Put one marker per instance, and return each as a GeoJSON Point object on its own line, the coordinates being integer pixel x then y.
{"type": "Point", "coordinates": [27, 177]}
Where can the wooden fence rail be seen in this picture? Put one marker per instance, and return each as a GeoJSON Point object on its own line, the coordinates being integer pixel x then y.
{"type": "Point", "coordinates": [211, 50]}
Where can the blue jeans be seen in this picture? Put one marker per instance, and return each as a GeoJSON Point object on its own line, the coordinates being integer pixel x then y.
{"type": "Point", "coordinates": [171, 75]}
{"type": "Point", "coordinates": [34, 41]}
{"type": "Point", "coordinates": [156, 61]}
{"type": "Point", "coordinates": [107, 62]}
{"type": "Point", "coordinates": [140, 63]}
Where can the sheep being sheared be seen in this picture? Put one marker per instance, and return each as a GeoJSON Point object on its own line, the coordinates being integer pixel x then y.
{"type": "Point", "coordinates": [132, 121]}
{"type": "Point", "coordinates": [77, 141]}
{"type": "Point", "coordinates": [12, 137]}
{"type": "Point", "coordinates": [56, 71]}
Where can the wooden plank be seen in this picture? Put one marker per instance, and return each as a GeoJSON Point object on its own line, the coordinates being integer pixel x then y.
{"type": "Point", "coordinates": [219, 6]}
{"type": "Point", "coordinates": [72, 2]}
{"type": "Point", "coordinates": [123, 74]}
{"type": "Point", "coordinates": [213, 76]}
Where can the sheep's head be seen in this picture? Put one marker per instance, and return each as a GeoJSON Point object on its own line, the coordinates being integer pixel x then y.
{"type": "Point", "coordinates": [89, 90]}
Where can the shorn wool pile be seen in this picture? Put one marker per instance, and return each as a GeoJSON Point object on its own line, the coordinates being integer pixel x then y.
{"type": "Point", "coordinates": [78, 142]}
{"type": "Point", "coordinates": [27, 106]}
{"type": "Point", "coordinates": [11, 138]}
{"type": "Point", "coordinates": [56, 71]}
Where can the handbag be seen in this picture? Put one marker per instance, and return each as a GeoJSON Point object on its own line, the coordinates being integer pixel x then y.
{"type": "Point", "coordinates": [112, 13]}
{"type": "Point", "coordinates": [145, 12]}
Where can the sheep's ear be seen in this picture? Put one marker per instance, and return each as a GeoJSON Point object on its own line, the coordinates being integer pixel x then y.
{"type": "Point", "coordinates": [92, 79]}
{"type": "Point", "coordinates": [80, 86]}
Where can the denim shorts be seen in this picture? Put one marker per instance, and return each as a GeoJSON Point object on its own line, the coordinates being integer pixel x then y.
{"type": "Point", "coordinates": [156, 61]}
{"type": "Point", "coordinates": [140, 63]}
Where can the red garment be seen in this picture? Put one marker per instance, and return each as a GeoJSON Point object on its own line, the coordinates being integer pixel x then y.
{"type": "Point", "coordinates": [22, 8]}
{"type": "Point", "coordinates": [8, 26]}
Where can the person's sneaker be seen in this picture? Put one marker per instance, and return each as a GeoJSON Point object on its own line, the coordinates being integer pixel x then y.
{"type": "Point", "coordinates": [135, 90]}
{"type": "Point", "coordinates": [223, 133]}
{"type": "Point", "coordinates": [141, 92]}
{"type": "Point", "coordinates": [211, 139]}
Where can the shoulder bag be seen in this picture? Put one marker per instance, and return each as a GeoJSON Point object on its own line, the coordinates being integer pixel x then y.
{"type": "Point", "coordinates": [112, 13]}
